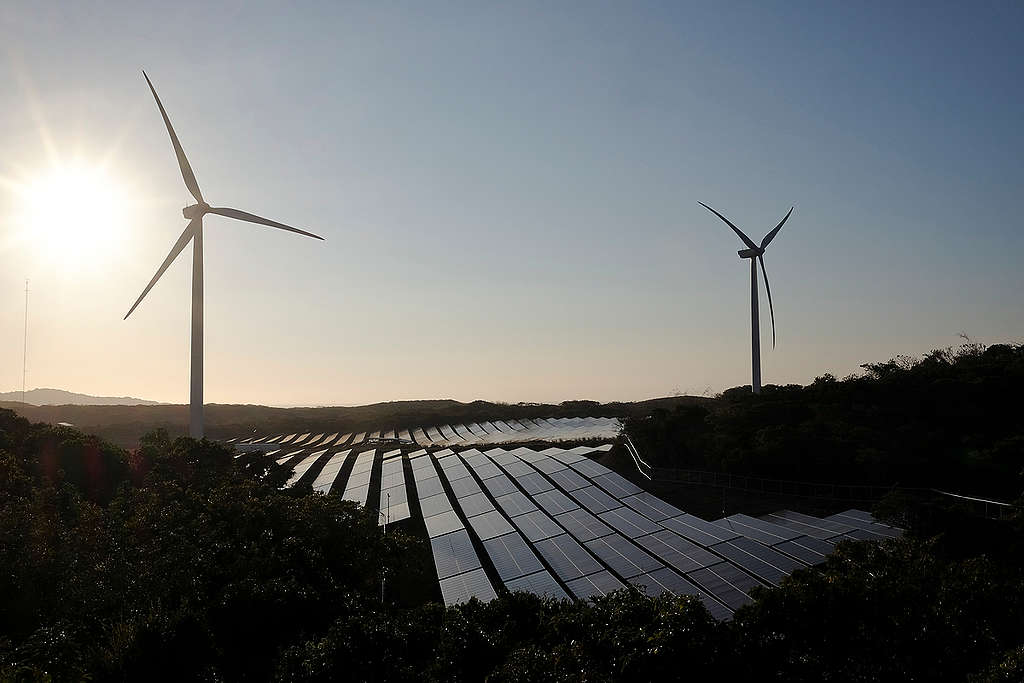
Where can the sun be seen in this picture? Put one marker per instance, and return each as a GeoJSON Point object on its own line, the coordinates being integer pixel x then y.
{"type": "Point", "coordinates": [71, 215]}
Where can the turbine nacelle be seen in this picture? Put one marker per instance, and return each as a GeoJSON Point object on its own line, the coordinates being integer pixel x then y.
{"type": "Point", "coordinates": [195, 210]}
{"type": "Point", "coordinates": [755, 251]}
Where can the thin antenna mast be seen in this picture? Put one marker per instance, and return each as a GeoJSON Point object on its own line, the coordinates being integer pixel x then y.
{"type": "Point", "coordinates": [24, 347]}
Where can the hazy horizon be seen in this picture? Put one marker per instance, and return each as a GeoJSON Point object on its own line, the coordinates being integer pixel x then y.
{"type": "Point", "coordinates": [509, 194]}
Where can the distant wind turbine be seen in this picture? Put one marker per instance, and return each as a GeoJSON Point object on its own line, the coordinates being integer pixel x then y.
{"type": "Point", "coordinates": [194, 233]}
{"type": "Point", "coordinates": [755, 253]}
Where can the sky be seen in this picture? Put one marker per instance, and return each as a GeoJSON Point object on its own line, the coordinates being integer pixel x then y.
{"type": "Point", "coordinates": [508, 193]}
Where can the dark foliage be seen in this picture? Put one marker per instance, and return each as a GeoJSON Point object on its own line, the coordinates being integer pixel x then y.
{"type": "Point", "coordinates": [951, 419]}
{"type": "Point", "coordinates": [179, 561]}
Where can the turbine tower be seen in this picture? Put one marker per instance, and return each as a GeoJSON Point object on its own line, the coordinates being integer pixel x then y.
{"type": "Point", "coordinates": [756, 255]}
{"type": "Point", "coordinates": [194, 233]}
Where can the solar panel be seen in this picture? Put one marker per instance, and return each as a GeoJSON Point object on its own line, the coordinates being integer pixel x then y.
{"type": "Point", "coordinates": [761, 561]}
{"type": "Point", "coordinates": [537, 525]}
{"type": "Point", "coordinates": [625, 558]}
{"type": "Point", "coordinates": [486, 470]}
{"type": "Point", "coordinates": [462, 587]}
{"type": "Point", "coordinates": [325, 479]}
{"type": "Point", "coordinates": [583, 525]}
{"type": "Point", "coordinates": [539, 583]}
{"type": "Point", "coordinates": [814, 531]}
{"type": "Point", "coordinates": [721, 581]}
{"type": "Point", "coordinates": [859, 515]}
{"type": "Point", "coordinates": [448, 433]}
{"type": "Point", "coordinates": [858, 522]}
{"type": "Point", "coordinates": [569, 479]}
{"type": "Point", "coordinates": [442, 523]}
{"type": "Point", "coordinates": [314, 440]}
{"type": "Point", "coordinates": [569, 457]}
{"type": "Point", "coordinates": [698, 530]}
{"type": "Point", "coordinates": [303, 466]}
{"type": "Point", "coordinates": [676, 551]}
{"type": "Point", "coordinates": [629, 522]}
{"type": "Point", "coordinates": [617, 485]}
{"type": "Point", "coordinates": [284, 458]}
{"type": "Point", "coordinates": [455, 472]}
{"type": "Point", "coordinates": [475, 504]}
{"type": "Point", "coordinates": [511, 556]}
{"type": "Point", "coordinates": [515, 503]}
{"type": "Point", "coordinates": [517, 468]}
{"type": "Point", "coordinates": [430, 486]}
{"type": "Point", "coordinates": [567, 558]}
{"type": "Point", "coordinates": [358, 486]}
{"type": "Point", "coordinates": [534, 483]}
{"type": "Point", "coordinates": [395, 512]}
{"type": "Point", "coordinates": [393, 480]}
{"type": "Point", "coordinates": [554, 501]}
{"type": "Point", "coordinates": [757, 529]}
{"type": "Point", "coordinates": [594, 585]}
{"type": "Point", "coordinates": [357, 494]}
{"type": "Point", "coordinates": [861, 535]}
{"type": "Point", "coordinates": [490, 525]}
{"type": "Point", "coordinates": [548, 465]}
{"type": "Point", "coordinates": [590, 468]}
{"type": "Point", "coordinates": [364, 462]}
{"type": "Point", "coordinates": [422, 462]}
{"type": "Point", "coordinates": [435, 505]}
{"type": "Point", "coordinates": [800, 551]}
{"type": "Point", "coordinates": [499, 486]}
{"type": "Point", "coordinates": [504, 458]}
{"type": "Point", "coordinates": [651, 506]}
{"type": "Point", "coordinates": [595, 499]}
{"type": "Point", "coordinates": [664, 580]}
{"type": "Point", "coordinates": [464, 487]}
{"type": "Point", "coordinates": [828, 526]}
{"type": "Point", "coordinates": [394, 503]}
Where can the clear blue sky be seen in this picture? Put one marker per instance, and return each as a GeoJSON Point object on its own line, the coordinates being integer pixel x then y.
{"type": "Point", "coordinates": [509, 193]}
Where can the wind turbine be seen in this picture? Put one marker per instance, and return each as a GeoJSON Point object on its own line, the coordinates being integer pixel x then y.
{"type": "Point", "coordinates": [756, 255]}
{"type": "Point", "coordinates": [194, 233]}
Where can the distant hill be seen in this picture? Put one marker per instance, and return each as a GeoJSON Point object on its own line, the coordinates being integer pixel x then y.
{"type": "Point", "coordinates": [124, 424]}
{"type": "Point", "coordinates": [59, 397]}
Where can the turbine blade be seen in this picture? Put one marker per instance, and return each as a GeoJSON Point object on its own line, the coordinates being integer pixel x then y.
{"type": "Point", "coordinates": [767, 287]}
{"type": "Point", "coordinates": [746, 240]}
{"type": "Point", "coordinates": [186, 171]}
{"type": "Point", "coordinates": [175, 250]}
{"type": "Point", "coordinates": [770, 236]}
{"type": "Point", "coordinates": [253, 218]}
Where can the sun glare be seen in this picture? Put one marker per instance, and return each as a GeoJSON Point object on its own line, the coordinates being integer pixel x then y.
{"type": "Point", "coordinates": [72, 215]}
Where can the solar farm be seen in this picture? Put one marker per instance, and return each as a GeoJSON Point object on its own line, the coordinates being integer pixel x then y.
{"type": "Point", "coordinates": [551, 520]}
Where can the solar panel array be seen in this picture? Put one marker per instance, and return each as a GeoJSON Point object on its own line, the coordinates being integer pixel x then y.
{"type": "Point", "coordinates": [557, 523]}
{"type": "Point", "coordinates": [552, 429]}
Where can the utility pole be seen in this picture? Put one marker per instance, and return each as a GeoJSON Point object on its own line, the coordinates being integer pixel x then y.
{"type": "Point", "coordinates": [24, 347]}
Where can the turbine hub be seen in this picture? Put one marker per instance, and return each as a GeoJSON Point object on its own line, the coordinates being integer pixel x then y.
{"type": "Point", "coordinates": [750, 253]}
{"type": "Point", "coordinates": [195, 210]}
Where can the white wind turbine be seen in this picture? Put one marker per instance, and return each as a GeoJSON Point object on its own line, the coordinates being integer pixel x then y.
{"type": "Point", "coordinates": [194, 233]}
{"type": "Point", "coordinates": [755, 253]}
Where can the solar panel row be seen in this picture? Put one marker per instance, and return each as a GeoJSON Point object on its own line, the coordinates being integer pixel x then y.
{"type": "Point", "coordinates": [556, 509]}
